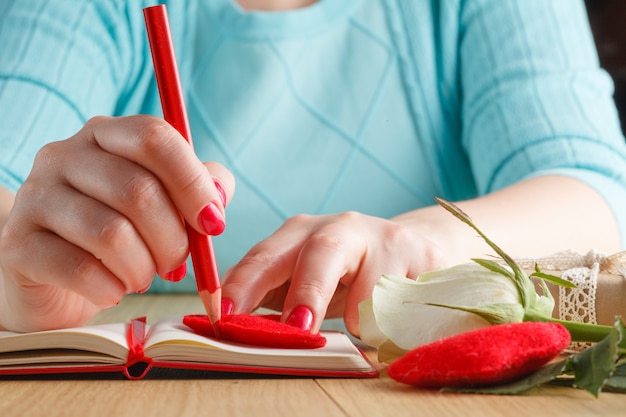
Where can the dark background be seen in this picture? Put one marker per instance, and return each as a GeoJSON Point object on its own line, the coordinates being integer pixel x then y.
{"type": "Point", "coordinates": [608, 24]}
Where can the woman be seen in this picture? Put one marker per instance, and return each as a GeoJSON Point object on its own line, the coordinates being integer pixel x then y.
{"type": "Point", "coordinates": [357, 113]}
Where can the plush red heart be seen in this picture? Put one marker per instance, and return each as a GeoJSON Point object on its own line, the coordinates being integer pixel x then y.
{"type": "Point", "coordinates": [487, 356]}
{"type": "Point", "coordinates": [259, 330]}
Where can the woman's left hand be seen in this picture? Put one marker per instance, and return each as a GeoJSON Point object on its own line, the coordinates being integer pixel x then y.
{"type": "Point", "coordinates": [316, 267]}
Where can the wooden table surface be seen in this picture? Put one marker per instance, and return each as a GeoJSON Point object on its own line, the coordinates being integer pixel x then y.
{"type": "Point", "coordinates": [225, 396]}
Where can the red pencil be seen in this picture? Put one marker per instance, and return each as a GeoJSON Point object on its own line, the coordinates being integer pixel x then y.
{"type": "Point", "coordinates": [174, 112]}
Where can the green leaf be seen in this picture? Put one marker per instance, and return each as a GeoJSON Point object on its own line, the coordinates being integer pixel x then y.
{"type": "Point", "coordinates": [619, 325]}
{"type": "Point", "coordinates": [553, 279]}
{"type": "Point", "coordinates": [617, 381]}
{"type": "Point", "coordinates": [493, 313]}
{"type": "Point", "coordinates": [493, 266]}
{"type": "Point", "coordinates": [593, 366]}
{"type": "Point", "coordinates": [544, 305]}
{"type": "Point", "coordinates": [544, 375]}
{"type": "Point", "coordinates": [545, 290]}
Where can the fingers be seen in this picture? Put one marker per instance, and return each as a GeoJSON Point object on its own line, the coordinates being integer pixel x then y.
{"type": "Point", "coordinates": [63, 265]}
{"type": "Point", "coordinates": [117, 190]}
{"type": "Point", "coordinates": [311, 254]}
{"type": "Point", "coordinates": [223, 180]}
{"type": "Point", "coordinates": [331, 255]}
{"type": "Point", "coordinates": [342, 261]}
{"type": "Point", "coordinates": [319, 266]}
{"type": "Point", "coordinates": [265, 268]}
{"type": "Point", "coordinates": [157, 146]}
{"type": "Point", "coordinates": [102, 212]}
{"type": "Point", "coordinates": [393, 249]}
{"type": "Point", "coordinates": [152, 176]}
{"type": "Point", "coordinates": [101, 232]}
{"type": "Point", "coordinates": [116, 210]}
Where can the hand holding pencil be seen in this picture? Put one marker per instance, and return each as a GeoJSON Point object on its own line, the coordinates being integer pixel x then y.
{"type": "Point", "coordinates": [99, 216]}
{"type": "Point", "coordinates": [174, 111]}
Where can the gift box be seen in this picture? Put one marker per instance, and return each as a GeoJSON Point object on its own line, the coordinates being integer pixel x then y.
{"type": "Point", "coordinates": [600, 293]}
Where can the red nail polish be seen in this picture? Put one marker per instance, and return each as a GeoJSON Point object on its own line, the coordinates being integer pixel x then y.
{"type": "Point", "coordinates": [177, 274]}
{"type": "Point", "coordinates": [211, 220]}
{"type": "Point", "coordinates": [301, 317]}
{"type": "Point", "coordinates": [143, 290]}
{"type": "Point", "coordinates": [227, 307]}
{"type": "Point", "coordinates": [220, 189]}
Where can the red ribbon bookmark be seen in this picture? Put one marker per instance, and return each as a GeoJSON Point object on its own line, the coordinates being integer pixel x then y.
{"type": "Point", "coordinates": [137, 364]}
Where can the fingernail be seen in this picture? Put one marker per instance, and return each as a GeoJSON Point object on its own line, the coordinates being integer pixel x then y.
{"type": "Point", "coordinates": [227, 307]}
{"type": "Point", "coordinates": [177, 274]}
{"type": "Point", "coordinates": [211, 220]}
{"type": "Point", "coordinates": [220, 189]}
{"type": "Point", "coordinates": [301, 317]}
{"type": "Point", "coordinates": [143, 290]}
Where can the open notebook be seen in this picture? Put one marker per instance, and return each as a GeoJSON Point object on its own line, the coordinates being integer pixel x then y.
{"type": "Point", "coordinates": [134, 348]}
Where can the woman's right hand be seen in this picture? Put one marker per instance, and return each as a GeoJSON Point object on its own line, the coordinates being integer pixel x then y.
{"type": "Point", "coordinates": [100, 215]}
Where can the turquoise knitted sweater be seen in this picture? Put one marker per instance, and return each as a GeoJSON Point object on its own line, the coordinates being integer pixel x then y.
{"type": "Point", "coordinates": [367, 105]}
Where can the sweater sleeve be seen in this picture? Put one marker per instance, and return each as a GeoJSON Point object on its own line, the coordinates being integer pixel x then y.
{"type": "Point", "coordinates": [61, 63]}
{"type": "Point", "coordinates": [535, 100]}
